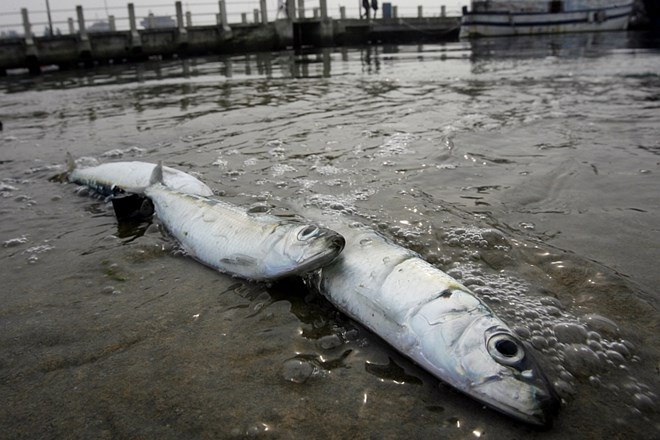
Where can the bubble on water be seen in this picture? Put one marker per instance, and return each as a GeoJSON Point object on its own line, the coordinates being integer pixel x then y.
{"type": "Point", "coordinates": [259, 208]}
{"type": "Point", "coordinates": [256, 429]}
{"type": "Point", "coordinates": [600, 324]}
{"type": "Point", "coordinates": [522, 332]}
{"type": "Point", "coordinates": [110, 290]}
{"type": "Point", "coordinates": [297, 370]}
{"type": "Point", "coordinates": [366, 241]}
{"type": "Point", "coordinates": [595, 381]}
{"type": "Point", "coordinates": [40, 249]}
{"type": "Point", "coordinates": [455, 273]}
{"type": "Point", "coordinates": [13, 242]}
{"type": "Point", "coordinates": [570, 333]}
{"type": "Point", "coordinates": [279, 169]}
{"type": "Point", "coordinates": [396, 144]}
{"type": "Point", "coordinates": [220, 163]}
{"type": "Point", "coordinates": [615, 357]}
{"type": "Point", "coordinates": [114, 153]}
{"type": "Point", "coordinates": [488, 238]}
{"type": "Point", "coordinates": [550, 301]}
{"type": "Point", "coordinates": [594, 345]}
{"type": "Point", "coordinates": [4, 188]}
{"type": "Point", "coordinates": [23, 198]}
{"type": "Point", "coordinates": [552, 311]}
{"type": "Point", "coordinates": [473, 281]}
{"type": "Point", "coordinates": [581, 361]}
{"type": "Point", "coordinates": [620, 348]}
{"type": "Point", "coordinates": [563, 388]}
{"type": "Point", "coordinates": [539, 342]}
{"type": "Point", "coordinates": [644, 402]}
{"type": "Point", "coordinates": [277, 151]}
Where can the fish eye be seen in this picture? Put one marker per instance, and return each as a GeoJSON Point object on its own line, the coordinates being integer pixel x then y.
{"type": "Point", "coordinates": [307, 232]}
{"type": "Point", "coordinates": [505, 349]}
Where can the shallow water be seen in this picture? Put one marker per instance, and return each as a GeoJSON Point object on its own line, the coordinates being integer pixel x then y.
{"type": "Point", "coordinates": [527, 168]}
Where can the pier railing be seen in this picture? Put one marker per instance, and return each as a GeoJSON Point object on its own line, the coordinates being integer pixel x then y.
{"type": "Point", "coordinates": [138, 33]}
{"type": "Point", "coordinates": [202, 13]}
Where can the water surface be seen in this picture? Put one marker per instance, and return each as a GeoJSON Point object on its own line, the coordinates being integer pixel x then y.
{"type": "Point", "coordinates": [527, 168]}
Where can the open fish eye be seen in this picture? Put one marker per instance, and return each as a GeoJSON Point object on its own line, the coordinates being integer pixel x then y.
{"type": "Point", "coordinates": [308, 232]}
{"type": "Point", "coordinates": [505, 349]}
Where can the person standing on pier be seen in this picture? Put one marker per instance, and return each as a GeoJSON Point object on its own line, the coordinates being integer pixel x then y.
{"type": "Point", "coordinates": [374, 6]}
{"type": "Point", "coordinates": [365, 5]}
{"type": "Point", "coordinates": [282, 7]}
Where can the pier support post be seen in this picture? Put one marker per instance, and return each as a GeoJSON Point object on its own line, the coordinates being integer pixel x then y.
{"type": "Point", "coordinates": [342, 12]}
{"type": "Point", "coordinates": [323, 5]}
{"type": "Point", "coordinates": [82, 30]}
{"type": "Point", "coordinates": [179, 14]}
{"type": "Point", "coordinates": [188, 19]}
{"type": "Point", "coordinates": [301, 9]}
{"type": "Point", "coordinates": [264, 11]}
{"type": "Point", "coordinates": [84, 48]}
{"type": "Point", "coordinates": [111, 23]}
{"type": "Point", "coordinates": [290, 9]}
{"type": "Point", "coordinates": [136, 41]}
{"type": "Point", "coordinates": [27, 28]}
{"type": "Point", "coordinates": [443, 11]}
{"type": "Point", "coordinates": [223, 16]}
{"type": "Point", "coordinates": [255, 13]}
{"type": "Point", "coordinates": [72, 29]}
{"type": "Point", "coordinates": [395, 11]}
{"type": "Point", "coordinates": [326, 28]}
{"type": "Point", "coordinates": [420, 13]}
{"type": "Point", "coordinates": [244, 17]}
{"type": "Point", "coordinates": [182, 33]}
{"type": "Point", "coordinates": [31, 53]}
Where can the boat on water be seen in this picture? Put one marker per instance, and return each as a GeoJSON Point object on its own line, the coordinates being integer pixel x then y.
{"type": "Point", "coordinates": [530, 17]}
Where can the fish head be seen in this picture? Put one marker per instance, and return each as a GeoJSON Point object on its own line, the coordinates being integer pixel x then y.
{"type": "Point", "coordinates": [478, 354]}
{"type": "Point", "coordinates": [303, 248]}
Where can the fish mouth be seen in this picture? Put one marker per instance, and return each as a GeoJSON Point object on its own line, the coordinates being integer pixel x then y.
{"type": "Point", "coordinates": [333, 246]}
{"type": "Point", "coordinates": [537, 404]}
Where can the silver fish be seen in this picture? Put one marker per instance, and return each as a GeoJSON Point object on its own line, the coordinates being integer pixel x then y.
{"type": "Point", "coordinates": [236, 242]}
{"type": "Point", "coordinates": [131, 177]}
{"type": "Point", "coordinates": [435, 321]}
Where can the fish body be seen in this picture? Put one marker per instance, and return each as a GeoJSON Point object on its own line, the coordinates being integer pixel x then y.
{"type": "Point", "coordinates": [237, 242]}
{"type": "Point", "coordinates": [132, 177]}
{"type": "Point", "coordinates": [435, 321]}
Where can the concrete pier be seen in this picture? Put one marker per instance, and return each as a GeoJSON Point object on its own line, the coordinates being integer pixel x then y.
{"type": "Point", "coordinates": [298, 28]}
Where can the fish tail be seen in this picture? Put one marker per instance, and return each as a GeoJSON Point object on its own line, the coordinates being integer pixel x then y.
{"type": "Point", "coordinates": [70, 162]}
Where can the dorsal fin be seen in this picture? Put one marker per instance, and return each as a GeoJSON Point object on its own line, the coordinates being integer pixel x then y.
{"type": "Point", "coordinates": [157, 174]}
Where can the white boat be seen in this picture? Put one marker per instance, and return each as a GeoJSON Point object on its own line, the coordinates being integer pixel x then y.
{"type": "Point", "coordinates": [530, 17]}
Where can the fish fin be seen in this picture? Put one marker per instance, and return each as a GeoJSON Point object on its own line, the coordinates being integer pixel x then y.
{"type": "Point", "coordinates": [240, 260]}
{"type": "Point", "coordinates": [157, 174]}
{"type": "Point", "coordinates": [70, 162]}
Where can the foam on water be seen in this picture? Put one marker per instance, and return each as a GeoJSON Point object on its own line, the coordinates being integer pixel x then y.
{"type": "Point", "coordinates": [575, 348]}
